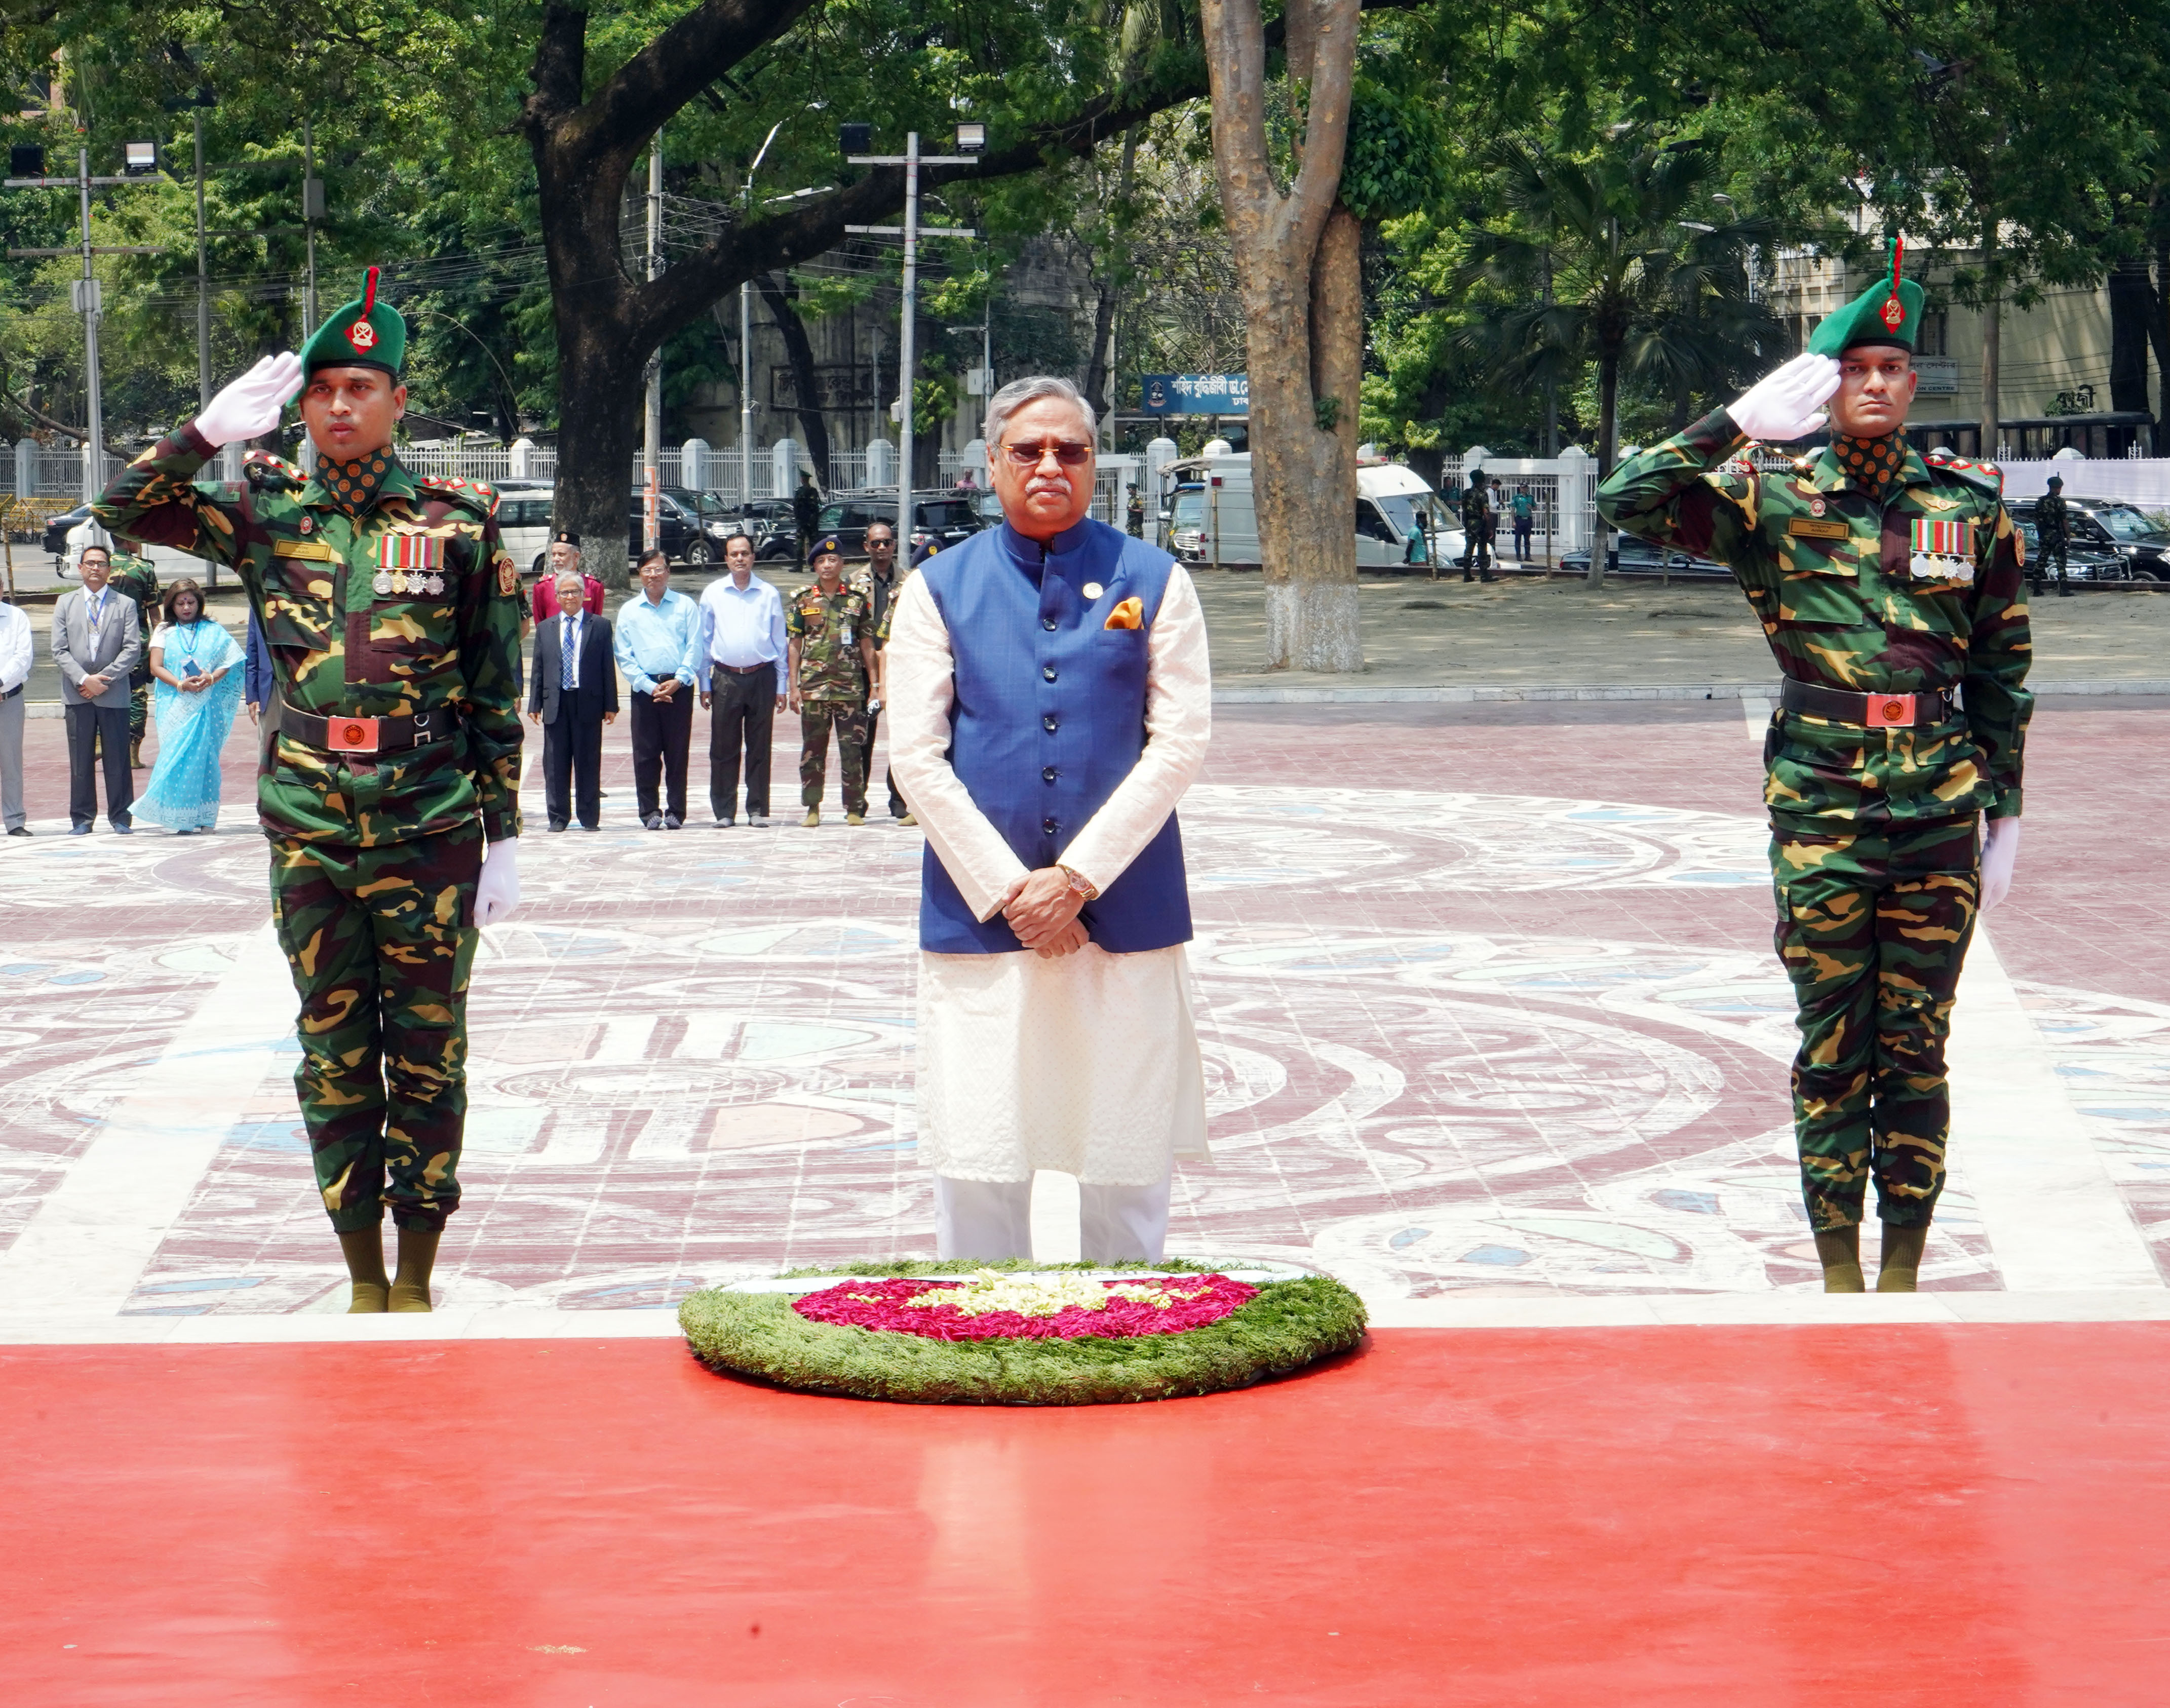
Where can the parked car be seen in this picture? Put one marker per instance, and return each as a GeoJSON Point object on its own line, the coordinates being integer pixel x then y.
{"type": "Point", "coordinates": [58, 528]}
{"type": "Point", "coordinates": [523, 522]}
{"type": "Point", "coordinates": [691, 526]}
{"type": "Point", "coordinates": [948, 516]}
{"type": "Point", "coordinates": [1641, 558]}
{"type": "Point", "coordinates": [2114, 525]}
{"type": "Point", "coordinates": [2085, 560]}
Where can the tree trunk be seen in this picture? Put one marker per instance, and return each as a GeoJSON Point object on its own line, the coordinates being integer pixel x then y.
{"type": "Point", "coordinates": [2131, 306]}
{"type": "Point", "coordinates": [1992, 342]}
{"type": "Point", "coordinates": [1297, 264]}
{"type": "Point", "coordinates": [1608, 453]}
{"type": "Point", "coordinates": [798, 349]}
{"type": "Point", "coordinates": [1100, 371]}
{"type": "Point", "coordinates": [600, 398]}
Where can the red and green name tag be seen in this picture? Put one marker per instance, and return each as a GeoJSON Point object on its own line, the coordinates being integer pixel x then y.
{"type": "Point", "coordinates": [410, 552]}
{"type": "Point", "coordinates": [1944, 539]}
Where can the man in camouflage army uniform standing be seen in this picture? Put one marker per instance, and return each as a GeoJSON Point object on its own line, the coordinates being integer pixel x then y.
{"type": "Point", "coordinates": [138, 578]}
{"type": "Point", "coordinates": [877, 581]}
{"type": "Point", "coordinates": [1477, 528]}
{"type": "Point", "coordinates": [832, 672]}
{"type": "Point", "coordinates": [392, 612]}
{"type": "Point", "coordinates": [1889, 588]}
{"type": "Point", "coordinates": [2053, 533]}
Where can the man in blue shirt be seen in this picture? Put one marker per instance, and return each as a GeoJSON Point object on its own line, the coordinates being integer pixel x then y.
{"type": "Point", "coordinates": [740, 651]}
{"type": "Point", "coordinates": [655, 634]}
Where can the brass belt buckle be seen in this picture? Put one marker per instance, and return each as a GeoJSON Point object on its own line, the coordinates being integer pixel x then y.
{"type": "Point", "coordinates": [350, 734]}
{"type": "Point", "coordinates": [1890, 711]}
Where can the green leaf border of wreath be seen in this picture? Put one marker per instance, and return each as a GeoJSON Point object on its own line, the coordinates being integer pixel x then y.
{"type": "Point", "coordinates": [1291, 1324]}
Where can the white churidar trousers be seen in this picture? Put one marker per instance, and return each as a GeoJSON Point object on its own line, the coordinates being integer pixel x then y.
{"type": "Point", "coordinates": [992, 1219]}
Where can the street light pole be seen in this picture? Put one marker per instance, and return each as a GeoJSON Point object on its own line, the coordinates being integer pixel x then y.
{"type": "Point", "coordinates": [651, 529]}
{"type": "Point", "coordinates": [203, 282]}
{"type": "Point", "coordinates": [745, 340]}
{"type": "Point", "coordinates": [94, 401]}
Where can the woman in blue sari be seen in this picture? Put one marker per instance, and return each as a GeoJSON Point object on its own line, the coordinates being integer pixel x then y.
{"type": "Point", "coordinates": [193, 661]}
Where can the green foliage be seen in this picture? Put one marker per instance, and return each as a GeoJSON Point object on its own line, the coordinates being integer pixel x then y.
{"type": "Point", "coordinates": [1289, 1325]}
{"type": "Point", "coordinates": [1396, 161]}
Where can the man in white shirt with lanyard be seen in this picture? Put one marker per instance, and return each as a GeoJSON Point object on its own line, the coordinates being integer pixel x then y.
{"type": "Point", "coordinates": [742, 646]}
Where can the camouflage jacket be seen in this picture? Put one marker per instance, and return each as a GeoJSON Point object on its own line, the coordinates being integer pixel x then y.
{"type": "Point", "coordinates": [138, 578]}
{"type": "Point", "coordinates": [1920, 592]}
{"type": "Point", "coordinates": [413, 607]}
{"type": "Point", "coordinates": [1476, 511]}
{"type": "Point", "coordinates": [881, 596]}
{"type": "Point", "coordinates": [2053, 521]}
{"type": "Point", "coordinates": [827, 628]}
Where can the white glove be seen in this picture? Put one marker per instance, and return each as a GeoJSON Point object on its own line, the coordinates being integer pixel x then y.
{"type": "Point", "coordinates": [248, 407]}
{"type": "Point", "coordinates": [2000, 849]}
{"type": "Point", "coordinates": [497, 891]}
{"type": "Point", "coordinates": [1788, 402]}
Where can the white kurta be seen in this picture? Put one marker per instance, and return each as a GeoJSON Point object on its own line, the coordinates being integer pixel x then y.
{"type": "Point", "coordinates": [1087, 1062]}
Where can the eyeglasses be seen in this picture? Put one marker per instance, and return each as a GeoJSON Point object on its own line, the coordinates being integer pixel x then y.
{"type": "Point", "coordinates": [1066, 451]}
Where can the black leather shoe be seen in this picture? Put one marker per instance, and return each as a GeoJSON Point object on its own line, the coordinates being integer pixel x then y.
{"type": "Point", "coordinates": [20, 831]}
{"type": "Point", "coordinates": [671, 821]}
{"type": "Point", "coordinates": [653, 821]}
{"type": "Point", "coordinates": [557, 823]}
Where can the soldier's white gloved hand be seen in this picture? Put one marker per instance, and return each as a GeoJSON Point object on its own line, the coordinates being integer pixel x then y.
{"type": "Point", "coordinates": [497, 891]}
{"type": "Point", "coordinates": [2000, 849]}
{"type": "Point", "coordinates": [248, 407]}
{"type": "Point", "coordinates": [1786, 402]}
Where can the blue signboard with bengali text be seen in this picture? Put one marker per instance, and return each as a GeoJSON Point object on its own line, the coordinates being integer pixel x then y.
{"type": "Point", "coordinates": [1197, 394]}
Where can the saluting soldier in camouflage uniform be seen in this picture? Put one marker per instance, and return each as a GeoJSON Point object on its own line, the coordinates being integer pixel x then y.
{"type": "Point", "coordinates": [138, 578]}
{"type": "Point", "coordinates": [832, 669]}
{"type": "Point", "coordinates": [2053, 531]}
{"type": "Point", "coordinates": [393, 615]}
{"type": "Point", "coordinates": [1889, 587]}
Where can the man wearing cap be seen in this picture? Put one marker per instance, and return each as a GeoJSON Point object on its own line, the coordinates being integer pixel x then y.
{"type": "Point", "coordinates": [1476, 529]}
{"type": "Point", "coordinates": [1888, 585]}
{"type": "Point", "coordinates": [393, 615]}
{"type": "Point", "coordinates": [2053, 533]}
{"type": "Point", "coordinates": [834, 673]}
{"type": "Point", "coordinates": [564, 555]}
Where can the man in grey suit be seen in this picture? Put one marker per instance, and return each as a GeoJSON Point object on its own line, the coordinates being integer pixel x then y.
{"type": "Point", "coordinates": [572, 694]}
{"type": "Point", "coordinates": [96, 647]}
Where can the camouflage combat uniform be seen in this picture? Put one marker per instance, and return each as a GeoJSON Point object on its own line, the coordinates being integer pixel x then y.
{"type": "Point", "coordinates": [1477, 530]}
{"type": "Point", "coordinates": [382, 594]}
{"type": "Point", "coordinates": [138, 578]}
{"type": "Point", "coordinates": [881, 597]}
{"type": "Point", "coordinates": [832, 687]}
{"type": "Point", "coordinates": [1875, 572]}
{"type": "Point", "coordinates": [2053, 530]}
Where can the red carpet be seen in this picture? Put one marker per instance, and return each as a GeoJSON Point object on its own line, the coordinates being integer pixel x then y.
{"type": "Point", "coordinates": [1754, 1517]}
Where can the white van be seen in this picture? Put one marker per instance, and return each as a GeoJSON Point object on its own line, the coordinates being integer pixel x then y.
{"type": "Point", "coordinates": [523, 522]}
{"type": "Point", "coordinates": [1212, 519]}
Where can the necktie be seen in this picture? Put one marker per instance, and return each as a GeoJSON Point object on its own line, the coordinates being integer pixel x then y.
{"type": "Point", "coordinates": [572, 655]}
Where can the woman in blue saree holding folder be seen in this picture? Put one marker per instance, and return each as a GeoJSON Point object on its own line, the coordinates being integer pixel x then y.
{"type": "Point", "coordinates": [193, 663]}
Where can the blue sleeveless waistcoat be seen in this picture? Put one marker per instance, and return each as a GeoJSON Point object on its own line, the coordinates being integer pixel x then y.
{"type": "Point", "coordinates": [1050, 717]}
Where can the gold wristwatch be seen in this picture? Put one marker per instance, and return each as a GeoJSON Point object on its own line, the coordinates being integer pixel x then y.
{"type": "Point", "coordinates": [1085, 891]}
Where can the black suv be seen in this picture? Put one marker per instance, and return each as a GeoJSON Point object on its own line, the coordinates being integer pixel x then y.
{"type": "Point", "coordinates": [949, 517]}
{"type": "Point", "coordinates": [2108, 525]}
{"type": "Point", "coordinates": [691, 527]}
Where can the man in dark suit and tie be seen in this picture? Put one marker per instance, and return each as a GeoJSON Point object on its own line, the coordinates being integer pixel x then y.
{"type": "Point", "coordinates": [96, 647]}
{"type": "Point", "coordinates": [573, 692]}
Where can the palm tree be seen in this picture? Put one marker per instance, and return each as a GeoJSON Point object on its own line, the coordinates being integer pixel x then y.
{"type": "Point", "coordinates": [1630, 258]}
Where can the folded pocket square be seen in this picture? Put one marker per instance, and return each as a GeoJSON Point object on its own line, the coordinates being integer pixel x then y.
{"type": "Point", "coordinates": [1129, 614]}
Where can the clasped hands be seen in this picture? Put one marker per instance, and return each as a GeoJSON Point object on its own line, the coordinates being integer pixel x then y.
{"type": "Point", "coordinates": [1042, 908]}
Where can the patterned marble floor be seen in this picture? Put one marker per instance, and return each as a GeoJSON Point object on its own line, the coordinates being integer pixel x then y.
{"type": "Point", "coordinates": [1519, 1038]}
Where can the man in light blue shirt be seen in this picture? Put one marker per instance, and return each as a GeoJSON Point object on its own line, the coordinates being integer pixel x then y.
{"type": "Point", "coordinates": [654, 647]}
{"type": "Point", "coordinates": [741, 647]}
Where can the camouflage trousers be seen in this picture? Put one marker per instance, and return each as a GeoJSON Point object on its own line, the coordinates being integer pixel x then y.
{"type": "Point", "coordinates": [1873, 930]}
{"type": "Point", "coordinates": [380, 943]}
{"type": "Point", "coordinates": [848, 718]}
{"type": "Point", "coordinates": [139, 706]}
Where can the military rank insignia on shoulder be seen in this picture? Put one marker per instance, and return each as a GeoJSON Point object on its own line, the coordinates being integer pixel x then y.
{"type": "Point", "coordinates": [1986, 475]}
{"type": "Point", "coordinates": [475, 495]}
{"type": "Point", "coordinates": [268, 473]}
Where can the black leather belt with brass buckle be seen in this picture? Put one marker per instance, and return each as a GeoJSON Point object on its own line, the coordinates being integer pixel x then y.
{"type": "Point", "coordinates": [370, 735]}
{"type": "Point", "coordinates": [1870, 711]}
{"type": "Point", "coordinates": [747, 670]}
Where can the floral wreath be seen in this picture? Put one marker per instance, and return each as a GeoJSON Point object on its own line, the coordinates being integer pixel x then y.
{"type": "Point", "coordinates": [1019, 1333]}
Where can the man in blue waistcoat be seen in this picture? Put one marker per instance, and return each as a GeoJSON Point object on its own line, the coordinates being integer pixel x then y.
{"type": "Point", "coordinates": [1049, 701]}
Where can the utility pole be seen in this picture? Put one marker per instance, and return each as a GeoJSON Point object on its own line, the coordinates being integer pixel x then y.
{"type": "Point", "coordinates": [313, 209]}
{"type": "Point", "coordinates": [203, 282]}
{"type": "Point", "coordinates": [85, 297]}
{"type": "Point", "coordinates": [746, 341]}
{"type": "Point", "coordinates": [907, 356]}
{"type": "Point", "coordinates": [651, 445]}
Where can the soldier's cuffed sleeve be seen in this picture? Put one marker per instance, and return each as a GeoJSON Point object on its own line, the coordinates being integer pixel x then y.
{"type": "Point", "coordinates": [1998, 703]}
{"type": "Point", "coordinates": [489, 659]}
{"type": "Point", "coordinates": [155, 501]}
{"type": "Point", "coordinates": [1677, 494]}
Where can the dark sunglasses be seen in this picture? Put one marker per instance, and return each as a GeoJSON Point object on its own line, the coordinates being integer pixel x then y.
{"type": "Point", "coordinates": [1068, 452]}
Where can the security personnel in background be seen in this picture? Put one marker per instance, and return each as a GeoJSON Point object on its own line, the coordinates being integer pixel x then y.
{"type": "Point", "coordinates": [877, 580]}
{"type": "Point", "coordinates": [1890, 588]}
{"type": "Point", "coordinates": [393, 615]}
{"type": "Point", "coordinates": [138, 578]}
{"type": "Point", "coordinates": [805, 513]}
{"type": "Point", "coordinates": [1476, 529]}
{"type": "Point", "coordinates": [2053, 533]}
{"type": "Point", "coordinates": [833, 671]}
